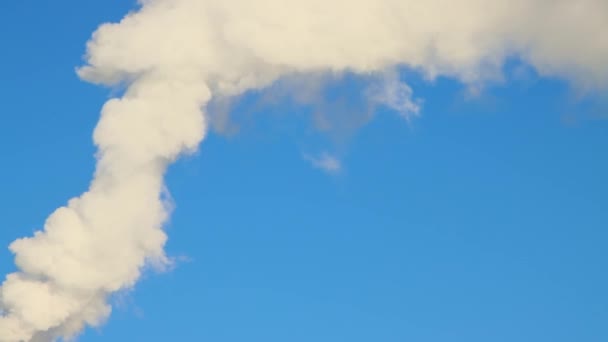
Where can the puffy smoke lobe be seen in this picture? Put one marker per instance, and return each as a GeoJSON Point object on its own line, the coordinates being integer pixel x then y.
{"type": "Point", "coordinates": [99, 242]}
{"type": "Point", "coordinates": [174, 55]}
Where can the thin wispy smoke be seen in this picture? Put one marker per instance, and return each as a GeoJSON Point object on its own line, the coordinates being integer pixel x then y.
{"type": "Point", "coordinates": [325, 162]}
{"type": "Point", "coordinates": [175, 55]}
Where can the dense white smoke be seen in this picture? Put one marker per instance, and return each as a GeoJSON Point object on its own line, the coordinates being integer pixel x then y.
{"type": "Point", "coordinates": [174, 55]}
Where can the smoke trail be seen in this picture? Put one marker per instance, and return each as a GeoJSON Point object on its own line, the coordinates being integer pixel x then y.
{"type": "Point", "coordinates": [175, 54]}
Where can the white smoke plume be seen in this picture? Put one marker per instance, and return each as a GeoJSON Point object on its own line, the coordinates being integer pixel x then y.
{"type": "Point", "coordinates": [174, 55]}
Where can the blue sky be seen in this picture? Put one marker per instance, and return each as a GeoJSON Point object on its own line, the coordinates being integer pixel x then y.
{"type": "Point", "coordinates": [482, 220]}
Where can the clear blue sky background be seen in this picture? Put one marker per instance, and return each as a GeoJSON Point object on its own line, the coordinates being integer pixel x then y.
{"type": "Point", "coordinates": [482, 220]}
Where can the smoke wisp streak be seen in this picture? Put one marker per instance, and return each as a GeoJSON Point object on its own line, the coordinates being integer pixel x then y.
{"type": "Point", "coordinates": [174, 55]}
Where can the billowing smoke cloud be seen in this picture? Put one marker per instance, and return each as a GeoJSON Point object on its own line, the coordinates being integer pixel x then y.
{"type": "Point", "coordinates": [174, 55]}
